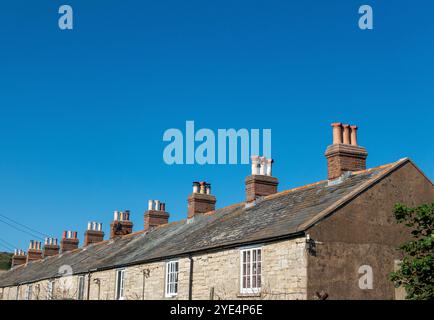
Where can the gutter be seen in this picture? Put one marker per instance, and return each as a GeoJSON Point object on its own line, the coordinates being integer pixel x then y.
{"type": "Point", "coordinates": [293, 235]}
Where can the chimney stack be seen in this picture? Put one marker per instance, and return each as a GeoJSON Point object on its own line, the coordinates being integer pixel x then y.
{"type": "Point", "coordinates": [344, 154]}
{"type": "Point", "coordinates": [261, 182]}
{"type": "Point", "coordinates": [18, 258]}
{"type": "Point", "coordinates": [121, 224]}
{"type": "Point", "coordinates": [201, 200]}
{"type": "Point", "coordinates": [51, 247]}
{"type": "Point", "coordinates": [93, 234]}
{"type": "Point", "coordinates": [35, 251]}
{"type": "Point", "coordinates": [69, 241]}
{"type": "Point", "coordinates": [156, 214]}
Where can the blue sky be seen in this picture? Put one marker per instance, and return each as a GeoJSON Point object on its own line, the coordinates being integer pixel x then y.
{"type": "Point", "coordinates": [83, 112]}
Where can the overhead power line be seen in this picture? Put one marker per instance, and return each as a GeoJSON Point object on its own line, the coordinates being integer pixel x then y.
{"type": "Point", "coordinates": [24, 226]}
{"type": "Point", "coordinates": [21, 230]}
{"type": "Point", "coordinates": [7, 248]}
{"type": "Point", "coordinates": [8, 244]}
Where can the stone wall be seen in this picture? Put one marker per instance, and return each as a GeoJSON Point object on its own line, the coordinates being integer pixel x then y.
{"type": "Point", "coordinates": [215, 275]}
{"type": "Point", "coordinates": [365, 232]}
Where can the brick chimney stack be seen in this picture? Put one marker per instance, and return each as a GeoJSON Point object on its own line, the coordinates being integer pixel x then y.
{"type": "Point", "coordinates": [156, 215]}
{"type": "Point", "coordinates": [35, 251]}
{"type": "Point", "coordinates": [18, 258]}
{"type": "Point", "coordinates": [261, 182]}
{"type": "Point", "coordinates": [201, 200]}
{"type": "Point", "coordinates": [69, 241]}
{"type": "Point", "coordinates": [93, 234]}
{"type": "Point", "coordinates": [51, 247]}
{"type": "Point", "coordinates": [344, 154]}
{"type": "Point", "coordinates": [121, 224]}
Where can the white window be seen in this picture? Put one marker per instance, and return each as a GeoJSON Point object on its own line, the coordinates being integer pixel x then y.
{"type": "Point", "coordinates": [120, 284]}
{"type": "Point", "coordinates": [172, 268]}
{"type": "Point", "coordinates": [251, 269]}
{"type": "Point", "coordinates": [50, 290]}
{"type": "Point", "coordinates": [80, 293]}
{"type": "Point", "coordinates": [29, 292]}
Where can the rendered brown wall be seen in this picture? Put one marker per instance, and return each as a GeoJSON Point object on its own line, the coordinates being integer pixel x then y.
{"type": "Point", "coordinates": [364, 232]}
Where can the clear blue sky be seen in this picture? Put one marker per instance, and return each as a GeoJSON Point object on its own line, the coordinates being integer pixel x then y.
{"type": "Point", "coordinates": [82, 112]}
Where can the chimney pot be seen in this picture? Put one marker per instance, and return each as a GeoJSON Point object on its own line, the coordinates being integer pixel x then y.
{"type": "Point", "coordinates": [263, 166]}
{"type": "Point", "coordinates": [196, 187]}
{"type": "Point", "coordinates": [337, 132]}
{"type": "Point", "coordinates": [202, 187]}
{"type": "Point", "coordinates": [269, 166]}
{"type": "Point", "coordinates": [255, 165]}
{"type": "Point", "coordinates": [354, 135]}
{"type": "Point", "coordinates": [346, 134]}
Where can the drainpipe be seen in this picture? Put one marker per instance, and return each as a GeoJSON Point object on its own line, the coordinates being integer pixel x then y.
{"type": "Point", "coordinates": [190, 280]}
{"type": "Point", "coordinates": [97, 281]}
{"type": "Point", "coordinates": [145, 273]}
{"type": "Point", "coordinates": [89, 276]}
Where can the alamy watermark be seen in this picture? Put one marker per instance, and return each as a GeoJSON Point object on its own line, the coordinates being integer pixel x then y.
{"type": "Point", "coordinates": [366, 281]}
{"type": "Point", "coordinates": [204, 146]}
{"type": "Point", "coordinates": [365, 22]}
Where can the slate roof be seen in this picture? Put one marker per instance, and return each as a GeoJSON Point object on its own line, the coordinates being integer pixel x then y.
{"type": "Point", "coordinates": [284, 214]}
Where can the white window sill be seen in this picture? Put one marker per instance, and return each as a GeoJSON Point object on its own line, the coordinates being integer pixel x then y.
{"type": "Point", "coordinates": [246, 294]}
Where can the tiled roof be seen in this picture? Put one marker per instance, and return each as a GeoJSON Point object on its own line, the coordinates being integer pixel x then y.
{"type": "Point", "coordinates": [284, 214]}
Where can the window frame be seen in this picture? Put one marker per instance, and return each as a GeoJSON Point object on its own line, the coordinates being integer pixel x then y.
{"type": "Point", "coordinates": [251, 265]}
{"type": "Point", "coordinates": [80, 288]}
{"type": "Point", "coordinates": [120, 286]}
{"type": "Point", "coordinates": [171, 275]}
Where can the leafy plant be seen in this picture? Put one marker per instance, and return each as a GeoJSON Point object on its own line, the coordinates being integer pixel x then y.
{"type": "Point", "coordinates": [416, 272]}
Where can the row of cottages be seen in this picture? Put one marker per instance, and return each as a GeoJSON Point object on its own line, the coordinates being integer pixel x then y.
{"type": "Point", "coordinates": [333, 239]}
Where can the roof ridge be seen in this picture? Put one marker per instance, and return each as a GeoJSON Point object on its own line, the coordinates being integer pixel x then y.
{"type": "Point", "coordinates": [392, 166]}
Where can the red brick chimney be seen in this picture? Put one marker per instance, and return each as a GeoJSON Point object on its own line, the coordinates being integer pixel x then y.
{"type": "Point", "coordinates": [121, 224]}
{"type": "Point", "coordinates": [156, 215]}
{"type": "Point", "coordinates": [344, 154]}
{"type": "Point", "coordinates": [51, 248]}
{"type": "Point", "coordinates": [35, 251]}
{"type": "Point", "coordinates": [93, 234]}
{"type": "Point", "coordinates": [201, 200]}
{"type": "Point", "coordinates": [261, 182]}
{"type": "Point", "coordinates": [18, 258]}
{"type": "Point", "coordinates": [69, 241]}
